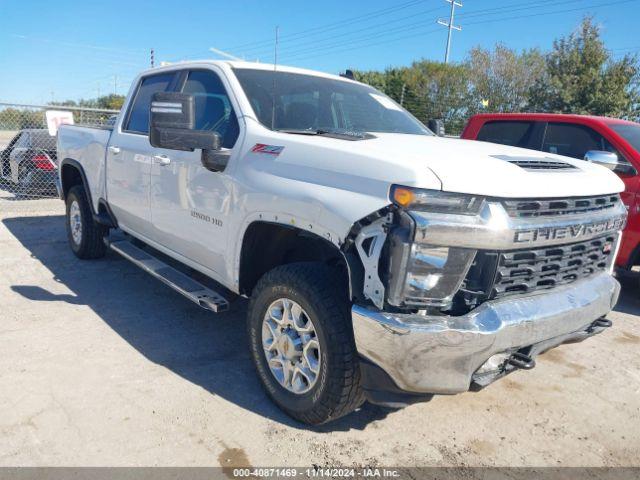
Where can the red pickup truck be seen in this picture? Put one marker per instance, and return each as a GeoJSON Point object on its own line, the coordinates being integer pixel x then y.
{"type": "Point", "coordinates": [610, 142]}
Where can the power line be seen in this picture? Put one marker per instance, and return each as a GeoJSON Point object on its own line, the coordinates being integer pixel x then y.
{"type": "Point", "coordinates": [608, 4]}
{"type": "Point", "coordinates": [289, 53]}
{"type": "Point", "coordinates": [347, 34]}
{"type": "Point", "coordinates": [331, 26]}
{"type": "Point", "coordinates": [450, 26]}
{"type": "Point", "coordinates": [333, 51]}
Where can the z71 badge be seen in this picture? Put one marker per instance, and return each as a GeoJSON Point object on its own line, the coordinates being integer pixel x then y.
{"type": "Point", "coordinates": [274, 150]}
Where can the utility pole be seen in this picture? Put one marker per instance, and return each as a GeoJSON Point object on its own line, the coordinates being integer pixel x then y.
{"type": "Point", "coordinates": [404, 86]}
{"type": "Point", "coordinates": [115, 84]}
{"type": "Point", "coordinates": [152, 58]}
{"type": "Point", "coordinates": [450, 26]}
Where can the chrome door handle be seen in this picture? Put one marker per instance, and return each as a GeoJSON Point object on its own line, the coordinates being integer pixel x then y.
{"type": "Point", "coordinates": [162, 159]}
{"type": "Point", "coordinates": [114, 150]}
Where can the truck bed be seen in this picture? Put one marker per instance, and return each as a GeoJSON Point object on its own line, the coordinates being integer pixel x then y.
{"type": "Point", "coordinates": [87, 146]}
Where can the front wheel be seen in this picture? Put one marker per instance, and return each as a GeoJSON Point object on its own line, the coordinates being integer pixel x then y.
{"type": "Point", "coordinates": [84, 233]}
{"type": "Point", "coordinates": [302, 343]}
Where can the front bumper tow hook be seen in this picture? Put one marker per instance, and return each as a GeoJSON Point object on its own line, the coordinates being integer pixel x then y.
{"type": "Point", "coordinates": [520, 360]}
{"type": "Point", "coordinates": [602, 322]}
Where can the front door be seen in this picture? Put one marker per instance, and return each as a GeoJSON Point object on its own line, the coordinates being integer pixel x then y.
{"type": "Point", "coordinates": [190, 205]}
{"type": "Point", "coordinates": [130, 156]}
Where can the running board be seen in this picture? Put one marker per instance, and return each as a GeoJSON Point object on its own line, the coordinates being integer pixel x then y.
{"type": "Point", "coordinates": [181, 283]}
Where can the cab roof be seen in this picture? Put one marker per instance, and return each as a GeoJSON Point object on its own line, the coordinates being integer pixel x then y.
{"type": "Point", "coordinates": [550, 117]}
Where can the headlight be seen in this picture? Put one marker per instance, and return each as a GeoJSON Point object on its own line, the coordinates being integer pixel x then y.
{"type": "Point", "coordinates": [427, 275]}
{"type": "Point", "coordinates": [435, 201]}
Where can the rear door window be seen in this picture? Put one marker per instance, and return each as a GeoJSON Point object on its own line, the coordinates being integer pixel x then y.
{"type": "Point", "coordinates": [138, 120]}
{"type": "Point", "coordinates": [514, 133]}
{"type": "Point", "coordinates": [573, 140]}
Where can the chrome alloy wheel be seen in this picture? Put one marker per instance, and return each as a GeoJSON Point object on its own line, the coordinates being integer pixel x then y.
{"type": "Point", "coordinates": [291, 346]}
{"type": "Point", "coordinates": [75, 222]}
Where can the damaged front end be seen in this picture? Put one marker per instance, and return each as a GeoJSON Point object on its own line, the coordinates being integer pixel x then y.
{"type": "Point", "coordinates": [457, 290]}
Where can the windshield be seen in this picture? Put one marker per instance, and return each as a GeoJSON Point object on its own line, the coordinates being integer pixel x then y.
{"type": "Point", "coordinates": [317, 104]}
{"type": "Point", "coordinates": [630, 132]}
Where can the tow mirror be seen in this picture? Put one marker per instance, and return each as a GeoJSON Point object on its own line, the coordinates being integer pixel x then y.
{"type": "Point", "coordinates": [436, 125]}
{"type": "Point", "coordinates": [609, 160]}
{"type": "Point", "coordinates": [172, 126]}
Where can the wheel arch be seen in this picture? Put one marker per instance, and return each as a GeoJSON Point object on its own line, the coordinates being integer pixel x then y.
{"type": "Point", "coordinates": [266, 245]}
{"type": "Point", "coordinates": [72, 173]}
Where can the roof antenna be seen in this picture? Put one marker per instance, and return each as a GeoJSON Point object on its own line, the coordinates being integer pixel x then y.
{"type": "Point", "coordinates": [273, 90]}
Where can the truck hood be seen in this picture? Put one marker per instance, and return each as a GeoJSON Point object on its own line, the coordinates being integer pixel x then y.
{"type": "Point", "coordinates": [449, 164]}
{"type": "Point", "coordinates": [490, 169]}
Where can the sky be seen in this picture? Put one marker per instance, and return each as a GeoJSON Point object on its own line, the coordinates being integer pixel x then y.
{"type": "Point", "coordinates": [81, 49]}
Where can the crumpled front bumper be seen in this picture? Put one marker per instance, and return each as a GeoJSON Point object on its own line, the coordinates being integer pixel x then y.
{"type": "Point", "coordinates": [440, 354]}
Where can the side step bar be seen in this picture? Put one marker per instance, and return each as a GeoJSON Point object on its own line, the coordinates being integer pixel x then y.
{"type": "Point", "coordinates": [181, 283]}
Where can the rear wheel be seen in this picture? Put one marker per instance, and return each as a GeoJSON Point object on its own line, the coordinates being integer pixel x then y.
{"type": "Point", "coordinates": [85, 235]}
{"type": "Point", "coordinates": [302, 343]}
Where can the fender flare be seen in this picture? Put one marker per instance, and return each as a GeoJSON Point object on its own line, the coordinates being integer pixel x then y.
{"type": "Point", "coordinates": [354, 271]}
{"type": "Point", "coordinates": [107, 219]}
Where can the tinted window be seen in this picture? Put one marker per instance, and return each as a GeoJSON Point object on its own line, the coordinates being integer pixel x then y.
{"type": "Point", "coordinates": [572, 140]}
{"type": "Point", "coordinates": [517, 134]}
{"type": "Point", "coordinates": [309, 102]}
{"type": "Point", "coordinates": [213, 109]}
{"type": "Point", "coordinates": [631, 133]}
{"type": "Point", "coordinates": [23, 141]}
{"type": "Point", "coordinates": [139, 113]}
{"type": "Point", "coordinates": [43, 140]}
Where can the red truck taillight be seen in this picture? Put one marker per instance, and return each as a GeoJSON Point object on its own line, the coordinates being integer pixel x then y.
{"type": "Point", "coordinates": [43, 162]}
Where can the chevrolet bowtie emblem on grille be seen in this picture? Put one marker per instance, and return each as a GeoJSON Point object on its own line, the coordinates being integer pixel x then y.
{"type": "Point", "coordinates": [568, 232]}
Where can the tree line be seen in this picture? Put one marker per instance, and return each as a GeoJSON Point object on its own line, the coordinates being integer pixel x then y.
{"type": "Point", "coordinates": [578, 75]}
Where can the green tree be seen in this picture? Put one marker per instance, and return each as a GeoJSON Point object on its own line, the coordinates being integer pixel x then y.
{"type": "Point", "coordinates": [583, 77]}
{"type": "Point", "coordinates": [503, 78]}
{"type": "Point", "coordinates": [427, 89]}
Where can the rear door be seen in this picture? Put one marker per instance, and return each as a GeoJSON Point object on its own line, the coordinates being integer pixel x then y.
{"type": "Point", "coordinates": [17, 156]}
{"type": "Point", "coordinates": [190, 205]}
{"type": "Point", "coordinates": [5, 168]}
{"type": "Point", "coordinates": [130, 156]}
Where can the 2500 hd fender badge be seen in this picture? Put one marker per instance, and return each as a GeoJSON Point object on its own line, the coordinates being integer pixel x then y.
{"type": "Point", "coordinates": [568, 232]}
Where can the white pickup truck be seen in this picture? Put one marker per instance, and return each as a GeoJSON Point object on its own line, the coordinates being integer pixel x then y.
{"type": "Point", "coordinates": [382, 262]}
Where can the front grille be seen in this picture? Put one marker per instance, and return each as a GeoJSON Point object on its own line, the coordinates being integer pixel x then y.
{"type": "Point", "coordinates": [498, 274]}
{"type": "Point", "coordinates": [559, 206]}
{"type": "Point", "coordinates": [525, 271]}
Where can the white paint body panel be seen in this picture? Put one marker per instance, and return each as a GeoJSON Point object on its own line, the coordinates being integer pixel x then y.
{"type": "Point", "coordinates": [319, 184]}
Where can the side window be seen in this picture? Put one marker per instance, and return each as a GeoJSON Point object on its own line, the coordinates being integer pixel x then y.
{"type": "Point", "coordinates": [23, 141]}
{"type": "Point", "coordinates": [213, 109]}
{"type": "Point", "coordinates": [138, 120]}
{"type": "Point", "coordinates": [571, 140]}
{"type": "Point", "coordinates": [516, 134]}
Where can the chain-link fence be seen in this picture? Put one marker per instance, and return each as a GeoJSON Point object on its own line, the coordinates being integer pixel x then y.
{"type": "Point", "coordinates": [28, 160]}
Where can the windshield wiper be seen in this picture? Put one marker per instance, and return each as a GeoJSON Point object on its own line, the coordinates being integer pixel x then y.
{"type": "Point", "coordinates": [341, 134]}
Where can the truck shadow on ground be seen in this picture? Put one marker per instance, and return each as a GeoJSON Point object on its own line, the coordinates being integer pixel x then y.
{"type": "Point", "coordinates": [206, 349]}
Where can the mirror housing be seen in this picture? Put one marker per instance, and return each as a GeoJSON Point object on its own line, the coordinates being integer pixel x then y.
{"type": "Point", "coordinates": [611, 161]}
{"type": "Point", "coordinates": [436, 125]}
{"type": "Point", "coordinates": [172, 123]}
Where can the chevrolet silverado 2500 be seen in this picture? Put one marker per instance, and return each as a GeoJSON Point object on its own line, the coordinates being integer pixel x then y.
{"type": "Point", "coordinates": [381, 261]}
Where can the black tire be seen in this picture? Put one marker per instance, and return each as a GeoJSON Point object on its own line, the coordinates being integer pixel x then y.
{"type": "Point", "coordinates": [91, 244]}
{"type": "Point", "coordinates": [337, 390]}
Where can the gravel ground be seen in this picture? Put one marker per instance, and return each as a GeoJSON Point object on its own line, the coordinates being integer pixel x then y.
{"type": "Point", "coordinates": [102, 365]}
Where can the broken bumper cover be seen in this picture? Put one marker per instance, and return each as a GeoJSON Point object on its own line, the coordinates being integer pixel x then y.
{"type": "Point", "coordinates": [441, 354]}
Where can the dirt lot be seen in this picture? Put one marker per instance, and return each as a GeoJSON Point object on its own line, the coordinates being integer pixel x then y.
{"type": "Point", "coordinates": [102, 365]}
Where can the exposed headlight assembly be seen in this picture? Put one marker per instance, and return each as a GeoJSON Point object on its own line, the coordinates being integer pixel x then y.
{"type": "Point", "coordinates": [422, 274]}
{"type": "Point", "coordinates": [435, 201]}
